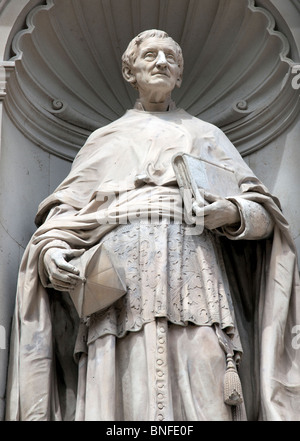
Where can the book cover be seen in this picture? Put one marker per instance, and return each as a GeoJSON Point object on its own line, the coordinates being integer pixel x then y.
{"type": "Point", "coordinates": [197, 175]}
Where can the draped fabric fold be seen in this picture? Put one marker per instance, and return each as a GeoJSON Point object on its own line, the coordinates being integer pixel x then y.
{"type": "Point", "coordinates": [101, 192]}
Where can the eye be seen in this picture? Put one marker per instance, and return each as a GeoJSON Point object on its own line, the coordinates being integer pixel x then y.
{"type": "Point", "coordinates": [150, 55]}
{"type": "Point", "coordinates": [171, 57]}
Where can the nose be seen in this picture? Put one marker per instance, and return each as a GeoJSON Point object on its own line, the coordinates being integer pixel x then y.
{"type": "Point", "coordinates": [161, 60]}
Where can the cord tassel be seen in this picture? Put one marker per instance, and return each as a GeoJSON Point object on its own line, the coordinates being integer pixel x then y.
{"type": "Point", "coordinates": [233, 395]}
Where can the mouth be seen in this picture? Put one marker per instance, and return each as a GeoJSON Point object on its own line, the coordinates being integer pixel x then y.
{"type": "Point", "coordinates": [160, 74]}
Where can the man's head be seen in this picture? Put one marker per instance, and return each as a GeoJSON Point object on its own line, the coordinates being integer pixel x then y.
{"type": "Point", "coordinates": [153, 57]}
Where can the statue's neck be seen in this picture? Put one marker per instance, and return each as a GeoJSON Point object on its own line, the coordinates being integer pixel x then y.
{"type": "Point", "coordinates": [155, 107]}
{"type": "Point", "coordinates": [155, 101]}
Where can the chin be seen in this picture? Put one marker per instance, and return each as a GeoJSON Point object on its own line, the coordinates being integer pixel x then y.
{"type": "Point", "coordinates": [162, 81]}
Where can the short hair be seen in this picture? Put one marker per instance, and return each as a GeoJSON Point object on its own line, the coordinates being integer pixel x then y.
{"type": "Point", "coordinates": [129, 56]}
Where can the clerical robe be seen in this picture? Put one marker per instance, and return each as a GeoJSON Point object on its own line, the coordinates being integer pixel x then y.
{"type": "Point", "coordinates": [154, 354]}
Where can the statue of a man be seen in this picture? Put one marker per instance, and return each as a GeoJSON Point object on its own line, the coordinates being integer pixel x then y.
{"type": "Point", "coordinates": [197, 306]}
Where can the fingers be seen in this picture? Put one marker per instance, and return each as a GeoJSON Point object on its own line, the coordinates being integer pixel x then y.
{"type": "Point", "coordinates": [63, 261]}
{"type": "Point", "coordinates": [212, 214]}
{"type": "Point", "coordinates": [63, 281]}
{"type": "Point", "coordinates": [198, 210]}
{"type": "Point", "coordinates": [70, 254]}
{"type": "Point", "coordinates": [66, 266]}
{"type": "Point", "coordinates": [60, 286]}
{"type": "Point", "coordinates": [210, 197]}
{"type": "Point", "coordinates": [61, 275]}
{"type": "Point", "coordinates": [219, 213]}
{"type": "Point", "coordinates": [204, 211]}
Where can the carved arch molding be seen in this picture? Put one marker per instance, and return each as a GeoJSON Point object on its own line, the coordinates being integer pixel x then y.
{"type": "Point", "coordinates": [67, 80]}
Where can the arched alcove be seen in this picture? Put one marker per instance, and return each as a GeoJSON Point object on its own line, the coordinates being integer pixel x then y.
{"type": "Point", "coordinates": [68, 82]}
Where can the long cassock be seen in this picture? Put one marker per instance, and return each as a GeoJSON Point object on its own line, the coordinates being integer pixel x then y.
{"type": "Point", "coordinates": [154, 355]}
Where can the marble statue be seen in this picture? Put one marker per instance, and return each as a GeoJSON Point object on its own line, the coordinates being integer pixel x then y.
{"type": "Point", "coordinates": [204, 331]}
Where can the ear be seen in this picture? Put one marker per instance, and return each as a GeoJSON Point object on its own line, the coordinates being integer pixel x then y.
{"type": "Point", "coordinates": [179, 78]}
{"type": "Point", "coordinates": [128, 75]}
{"type": "Point", "coordinates": [179, 81]}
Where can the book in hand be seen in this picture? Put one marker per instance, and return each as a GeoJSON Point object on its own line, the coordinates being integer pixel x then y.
{"type": "Point", "coordinates": [103, 281]}
{"type": "Point", "coordinates": [196, 175]}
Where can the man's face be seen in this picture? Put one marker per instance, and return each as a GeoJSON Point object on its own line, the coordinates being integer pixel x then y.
{"type": "Point", "coordinates": [156, 65]}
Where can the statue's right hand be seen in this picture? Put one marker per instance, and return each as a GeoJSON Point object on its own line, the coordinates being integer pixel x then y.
{"type": "Point", "coordinates": [63, 275]}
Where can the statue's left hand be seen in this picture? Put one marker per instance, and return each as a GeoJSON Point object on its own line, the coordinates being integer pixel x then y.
{"type": "Point", "coordinates": [219, 212]}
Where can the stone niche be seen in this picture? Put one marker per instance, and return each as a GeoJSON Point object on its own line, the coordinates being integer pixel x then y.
{"type": "Point", "coordinates": [67, 81]}
{"type": "Point", "coordinates": [63, 80]}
